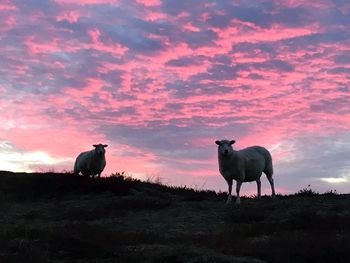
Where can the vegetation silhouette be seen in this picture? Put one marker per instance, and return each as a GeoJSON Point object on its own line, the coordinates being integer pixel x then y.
{"type": "Point", "coordinates": [57, 217]}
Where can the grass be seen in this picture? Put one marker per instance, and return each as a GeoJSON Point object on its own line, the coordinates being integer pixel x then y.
{"type": "Point", "coordinates": [57, 217]}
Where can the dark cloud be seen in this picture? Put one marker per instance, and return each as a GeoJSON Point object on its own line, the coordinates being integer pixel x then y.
{"type": "Point", "coordinates": [186, 61]}
{"type": "Point", "coordinates": [316, 157]}
{"type": "Point", "coordinates": [157, 138]}
{"type": "Point", "coordinates": [132, 38]}
{"type": "Point", "coordinates": [161, 28]}
{"type": "Point", "coordinates": [183, 89]}
{"type": "Point", "coordinates": [198, 39]}
{"type": "Point", "coordinates": [220, 72]}
{"type": "Point", "coordinates": [48, 8]}
{"type": "Point", "coordinates": [263, 14]}
{"type": "Point", "coordinates": [114, 77]}
{"type": "Point", "coordinates": [311, 42]}
{"type": "Point", "coordinates": [338, 105]}
{"type": "Point", "coordinates": [177, 7]}
{"type": "Point", "coordinates": [254, 15]}
{"type": "Point", "coordinates": [339, 70]}
{"type": "Point", "coordinates": [168, 138]}
{"type": "Point", "coordinates": [219, 20]}
{"type": "Point", "coordinates": [342, 58]}
{"type": "Point", "coordinates": [224, 59]}
{"type": "Point", "coordinates": [256, 48]}
{"type": "Point", "coordinates": [110, 113]}
{"type": "Point", "coordinates": [296, 16]}
{"type": "Point", "coordinates": [76, 30]}
{"type": "Point", "coordinates": [278, 65]}
{"type": "Point", "coordinates": [255, 76]}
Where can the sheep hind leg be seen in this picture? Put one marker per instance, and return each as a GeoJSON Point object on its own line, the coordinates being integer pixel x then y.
{"type": "Point", "coordinates": [269, 172]}
{"type": "Point", "coordinates": [258, 184]}
{"type": "Point", "coordinates": [272, 185]}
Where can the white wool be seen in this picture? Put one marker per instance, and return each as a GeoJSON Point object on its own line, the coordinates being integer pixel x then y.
{"type": "Point", "coordinates": [92, 162]}
{"type": "Point", "coordinates": [245, 165]}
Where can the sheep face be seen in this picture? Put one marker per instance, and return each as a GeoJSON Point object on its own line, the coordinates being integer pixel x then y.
{"type": "Point", "coordinates": [100, 149]}
{"type": "Point", "coordinates": [225, 147]}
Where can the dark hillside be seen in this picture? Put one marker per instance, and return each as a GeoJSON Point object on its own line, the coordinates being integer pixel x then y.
{"type": "Point", "coordinates": [51, 217]}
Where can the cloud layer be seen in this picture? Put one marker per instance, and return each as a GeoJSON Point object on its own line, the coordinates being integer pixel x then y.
{"type": "Point", "coordinates": [161, 80]}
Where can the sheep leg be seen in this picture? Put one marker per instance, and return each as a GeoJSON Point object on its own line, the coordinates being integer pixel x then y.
{"type": "Point", "coordinates": [229, 196]}
{"type": "Point", "coordinates": [258, 184]}
{"type": "Point", "coordinates": [272, 185]}
{"type": "Point", "coordinates": [238, 188]}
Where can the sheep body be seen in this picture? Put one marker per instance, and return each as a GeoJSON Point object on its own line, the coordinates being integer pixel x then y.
{"type": "Point", "coordinates": [245, 165]}
{"type": "Point", "coordinates": [91, 163]}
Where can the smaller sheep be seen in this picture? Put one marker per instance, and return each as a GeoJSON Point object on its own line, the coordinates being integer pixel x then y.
{"type": "Point", "coordinates": [246, 165]}
{"type": "Point", "coordinates": [91, 162]}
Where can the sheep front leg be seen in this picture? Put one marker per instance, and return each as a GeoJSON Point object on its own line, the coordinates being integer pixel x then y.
{"type": "Point", "coordinates": [229, 196]}
{"type": "Point", "coordinates": [238, 188]}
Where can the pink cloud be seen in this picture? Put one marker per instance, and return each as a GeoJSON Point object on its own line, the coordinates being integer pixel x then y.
{"type": "Point", "coordinates": [7, 6]}
{"type": "Point", "coordinates": [70, 15]}
{"type": "Point", "coordinates": [189, 26]}
{"type": "Point", "coordinates": [238, 33]}
{"type": "Point", "coordinates": [34, 46]}
{"type": "Point", "coordinates": [154, 15]}
{"type": "Point", "coordinates": [162, 71]}
{"type": "Point", "coordinates": [114, 48]}
{"type": "Point", "coordinates": [149, 2]}
{"type": "Point", "coordinates": [8, 22]}
{"type": "Point", "coordinates": [86, 2]}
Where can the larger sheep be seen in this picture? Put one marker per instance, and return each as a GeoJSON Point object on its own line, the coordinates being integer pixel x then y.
{"type": "Point", "coordinates": [245, 165]}
{"type": "Point", "coordinates": [91, 162]}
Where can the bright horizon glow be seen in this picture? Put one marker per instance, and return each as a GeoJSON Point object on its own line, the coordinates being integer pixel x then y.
{"type": "Point", "coordinates": [22, 162]}
{"type": "Point", "coordinates": [335, 180]}
{"type": "Point", "coordinates": [160, 81]}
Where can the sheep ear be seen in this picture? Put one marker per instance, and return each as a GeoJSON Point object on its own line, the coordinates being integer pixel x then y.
{"type": "Point", "coordinates": [105, 145]}
{"type": "Point", "coordinates": [232, 142]}
{"type": "Point", "coordinates": [218, 142]}
{"type": "Point", "coordinates": [95, 145]}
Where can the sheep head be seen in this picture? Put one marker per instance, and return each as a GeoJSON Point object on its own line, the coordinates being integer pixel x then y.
{"type": "Point", "coordinates": [225, 147]}
{"type": "Point", "coordinates": [100, 149]}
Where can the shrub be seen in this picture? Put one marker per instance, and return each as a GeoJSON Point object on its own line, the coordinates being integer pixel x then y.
{"type": "Point", "coordinates": [307, 192]}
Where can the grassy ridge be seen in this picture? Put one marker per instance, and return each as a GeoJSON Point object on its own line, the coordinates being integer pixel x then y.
{"type": "Point", "coordinates": [51, 217]}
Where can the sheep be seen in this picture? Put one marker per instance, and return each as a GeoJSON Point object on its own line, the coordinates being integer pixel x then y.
{"type": "Point", "coordinates": [245, 165]}
{"type": "Point", "coordinates": [91, 162]}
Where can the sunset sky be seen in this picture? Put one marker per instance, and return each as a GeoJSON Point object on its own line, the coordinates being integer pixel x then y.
{"type": "Point", "coordinates": [160, 80]}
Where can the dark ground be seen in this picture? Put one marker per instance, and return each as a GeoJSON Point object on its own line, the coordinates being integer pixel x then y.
{"type": "Point", "coordinates": [51, 217]}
